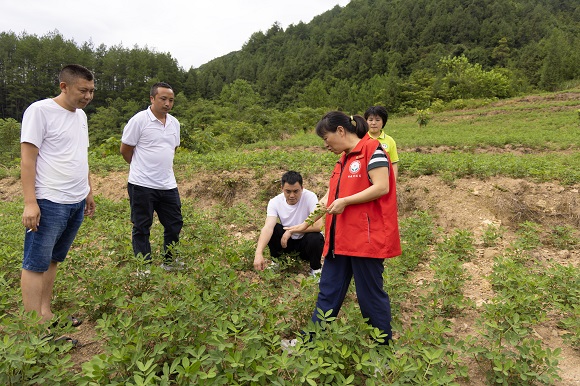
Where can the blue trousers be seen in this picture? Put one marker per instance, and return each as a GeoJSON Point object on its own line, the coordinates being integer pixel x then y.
{"type": "Point", "coordinates": [368, 278]}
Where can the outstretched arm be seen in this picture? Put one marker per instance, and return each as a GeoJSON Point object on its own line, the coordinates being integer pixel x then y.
{"type": "Point", "coordinates": [265, 235]}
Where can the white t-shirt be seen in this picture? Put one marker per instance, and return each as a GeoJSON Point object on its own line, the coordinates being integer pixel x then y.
{"type": "Point", "coordinates": [62, 139]}
{"type": "Point", "coordinates": [291, 215]}
{"type": "Point", "coordinates": [155, 143]}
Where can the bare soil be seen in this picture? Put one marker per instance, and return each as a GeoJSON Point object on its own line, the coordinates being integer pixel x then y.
{"type": "Point", "coordinates": [467, 204]}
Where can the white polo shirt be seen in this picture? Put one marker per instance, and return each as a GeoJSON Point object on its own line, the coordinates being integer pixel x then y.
{"type": "Point", "coordinates": [291, 215]}
{"type": "Point", "coordinates": [155, 143]}
{"type": "Point", "coordinates": [62, 139]}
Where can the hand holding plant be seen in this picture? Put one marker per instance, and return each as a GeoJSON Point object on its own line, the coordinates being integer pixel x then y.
{"type": "Point", "coordinates": [318, 212]}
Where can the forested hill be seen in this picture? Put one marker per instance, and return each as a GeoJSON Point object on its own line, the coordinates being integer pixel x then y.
{"type": "Point", "coordinates": [536, 40]}
{"type": "Point", "coordinates": [404, 54]}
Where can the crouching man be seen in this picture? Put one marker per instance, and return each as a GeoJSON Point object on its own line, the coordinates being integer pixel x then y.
{"type": "Point", "coordinates": [291, 207]}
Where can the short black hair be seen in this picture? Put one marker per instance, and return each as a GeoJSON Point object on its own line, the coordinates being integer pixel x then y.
{"type": "Point", "coordinates": [291, 177]}
{"type": "Point", "coordinates": [154, 88]}
{"type": "Point", "coordinates": [70, 72]}
{"type": "Point", "coordinates": [378, 110]}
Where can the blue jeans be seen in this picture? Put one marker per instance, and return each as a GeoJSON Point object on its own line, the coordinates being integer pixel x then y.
{"type": "Point", "coordinates": [368, 278]}
{"type": "Point", "coordinates": [144, 202]}
{"type": "Point", "coordinates": [58, 227]}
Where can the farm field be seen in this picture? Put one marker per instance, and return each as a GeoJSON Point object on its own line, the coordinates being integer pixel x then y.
{"type": "Point", "coordinates": [486, 291]}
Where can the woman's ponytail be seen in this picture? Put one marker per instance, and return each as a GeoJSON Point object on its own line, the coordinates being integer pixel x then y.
{"type": "Point", "coordinates": [360, 124]}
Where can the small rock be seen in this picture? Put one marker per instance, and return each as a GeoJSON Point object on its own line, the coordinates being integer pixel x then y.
{"type": "Point", "coordinates": [489, 253]}
{"type": "Point", "coordinates": [537, 335]}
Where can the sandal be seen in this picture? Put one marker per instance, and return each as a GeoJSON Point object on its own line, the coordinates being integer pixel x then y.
{"type": "Point", "coordinates": [68, 339]}
{"type": "Point", "coordinates": [72, 319]}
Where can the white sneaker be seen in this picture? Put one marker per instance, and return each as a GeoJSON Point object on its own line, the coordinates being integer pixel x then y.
{"type": "Point", "coordinates": [315, 272]}
{"type": "Point", "coordinates": [273, 265]}
{"type": "Point", "coordinates": [142, 273]}
{"type": "Point", "coordinates": [175, 265]}
{"type": "Point", "coordinates": [287, 344]}
{"type": "Point", "coordinates": [382, 371]}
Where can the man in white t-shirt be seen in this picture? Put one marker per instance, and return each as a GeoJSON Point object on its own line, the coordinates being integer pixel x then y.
{"type": "Point", "coordinates": [148, 145]}
{"type": "Point", "coordinates": [56, 186]}
{"type": "Point", "coordinates": [291, 207]}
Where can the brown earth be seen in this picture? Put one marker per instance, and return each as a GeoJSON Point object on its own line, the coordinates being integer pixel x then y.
{"type": "Point", "coordinates": [467, 204]}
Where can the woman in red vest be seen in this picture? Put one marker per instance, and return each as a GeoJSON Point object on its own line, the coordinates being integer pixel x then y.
{"type": "Point", "coordinates": [361, 228]}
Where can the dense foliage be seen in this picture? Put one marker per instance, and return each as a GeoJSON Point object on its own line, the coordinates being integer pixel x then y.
{"type": "Point", "coordinates": [404, 54]}
{"type": "Point", "coordinates": [391, 52]}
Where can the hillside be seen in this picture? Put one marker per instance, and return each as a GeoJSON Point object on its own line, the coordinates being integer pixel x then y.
{"type": "Point", "coordinates": [398, 53]}
{"type": "Point", "coordinates": [225, 210]}
{"type": "Point", "coordinates": [345, 47]}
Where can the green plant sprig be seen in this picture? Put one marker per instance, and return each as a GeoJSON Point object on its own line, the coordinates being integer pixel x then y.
{"type": "Point", "coordinates": [318, 212]}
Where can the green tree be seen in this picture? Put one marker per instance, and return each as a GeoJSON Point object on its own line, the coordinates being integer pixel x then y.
{"type": "Point", "coordinates": [460, 79]}
{"type": "Point", "coordinates": [108, 121]}
{"type": "Point", "coordinates": [9, 140]}
{"type": "Point", "coordinates": [240, 95]}
{"type": "Point", "coordinates": [558, 63]}
{"type": "Point", "coordinates": [314, 95]}
{"type": "Point", "coordinates": [501, 52]}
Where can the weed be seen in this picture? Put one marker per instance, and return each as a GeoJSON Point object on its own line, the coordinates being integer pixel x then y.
{"type": "Point", "coordinates": [562, 237]}
{"type": "Point", "coordinates": [445, 294]}
{"type": "Point", "coordinates": [491, 235]}
{"type": "Point", "coordinates": [572, 325]}
{"type": "Point", "coordinates": [448, 178]}
{"type": "Point", "coordinates": [528, 236]}
{"type": "Point", "coordinates": [460, 245]}
{"type": "Point", "coordinates": [423, 117]}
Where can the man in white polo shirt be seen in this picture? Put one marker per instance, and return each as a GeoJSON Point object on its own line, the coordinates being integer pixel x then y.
{"type": "Point", "coordinates": [291, 207]}
{"type": "Point", "coordinates": [148, 144]}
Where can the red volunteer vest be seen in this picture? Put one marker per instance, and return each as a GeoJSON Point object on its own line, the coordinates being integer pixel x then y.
{"type": "Point", "coordinates": [370, 229]}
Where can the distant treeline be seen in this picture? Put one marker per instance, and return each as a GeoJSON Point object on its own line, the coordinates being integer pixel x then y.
{"type": "Point", "coordinates": [399, 44]}
{"type": "Point", "coordinates": [404, 54]}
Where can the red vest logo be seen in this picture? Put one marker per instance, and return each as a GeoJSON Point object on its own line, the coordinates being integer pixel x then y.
{"type": "Point", "coordinates": [354, 167]}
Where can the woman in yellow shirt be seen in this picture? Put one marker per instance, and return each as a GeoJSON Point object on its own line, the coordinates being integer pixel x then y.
{"type": "Point", "coordinates": [376, 117]}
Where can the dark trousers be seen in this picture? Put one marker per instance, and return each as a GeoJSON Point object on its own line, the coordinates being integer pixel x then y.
{"type": "Point", "coordinates": [368, 278]}
{"type": "Point", "coordinates": [309, 246]}
{"type": "Point", "coordinates": [167, 204]}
